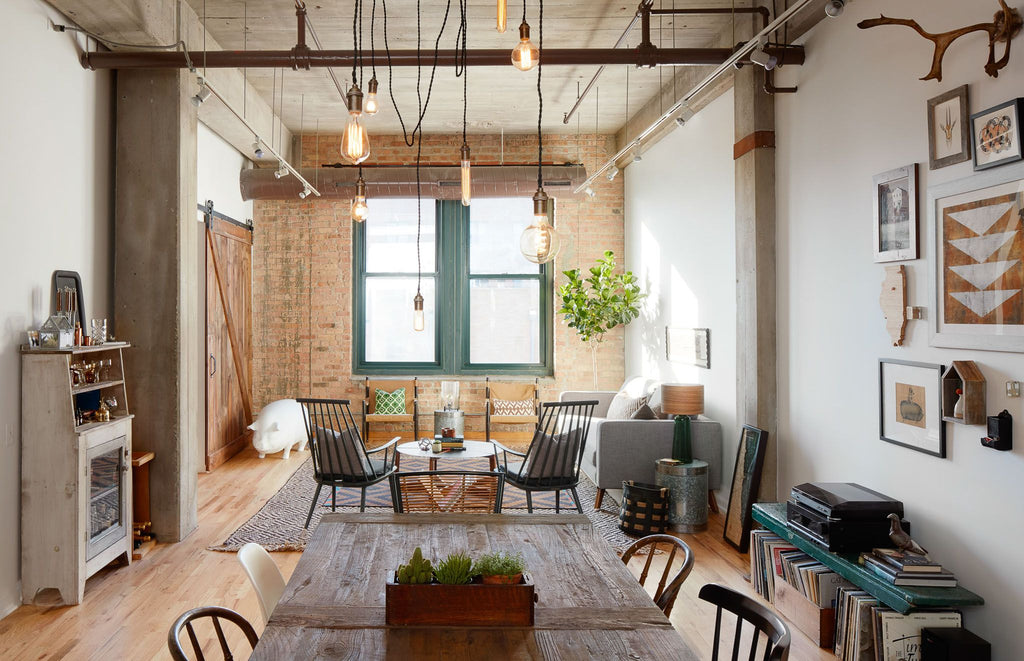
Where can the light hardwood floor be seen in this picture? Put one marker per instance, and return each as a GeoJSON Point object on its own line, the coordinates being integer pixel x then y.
{"type": "Point", "coordinates": [128, 610]}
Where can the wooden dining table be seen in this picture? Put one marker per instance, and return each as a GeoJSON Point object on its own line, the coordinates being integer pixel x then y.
{"type": "Point", "coordinates": [589, 605]}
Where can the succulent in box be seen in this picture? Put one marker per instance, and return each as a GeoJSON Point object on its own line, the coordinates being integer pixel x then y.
{"type": "Point", "coordinates": [455, 569]}
{"type": "Point", "coordinates": [417, 571]}
{"type": "Point", "coordinates": [500, 567]}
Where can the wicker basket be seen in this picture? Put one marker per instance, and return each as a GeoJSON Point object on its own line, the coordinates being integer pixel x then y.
{"type": "Point", "coordinates": [644, 509]}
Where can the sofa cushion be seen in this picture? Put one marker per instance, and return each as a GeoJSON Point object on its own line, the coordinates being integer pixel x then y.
{"type": "Point", "coordinates": [624, 406]}
{"type": "Point", "coordinates": [644, 413]}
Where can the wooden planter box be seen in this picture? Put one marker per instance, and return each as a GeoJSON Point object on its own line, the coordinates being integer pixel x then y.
{"type": "Point", "coordinates": [470, 605]}
{"type": "Point", "coordinates": [818, 623]}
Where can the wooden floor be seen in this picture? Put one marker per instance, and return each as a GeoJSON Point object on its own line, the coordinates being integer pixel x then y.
{"type": "Point", "coordinates": [128, 610]}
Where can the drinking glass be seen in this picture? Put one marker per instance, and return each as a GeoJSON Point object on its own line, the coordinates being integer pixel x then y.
{"type": "Point", "coordinates": [99, 331]}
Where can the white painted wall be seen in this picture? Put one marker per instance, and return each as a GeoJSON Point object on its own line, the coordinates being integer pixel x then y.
{"type": "Point", "coordinates": [861, 111]}
{"type": "Point", "coordinates": [55, 213]}
{"type": "Point", "coordinates": [218, 171]}
{"type": "Point", "coordinates": [680, 241]}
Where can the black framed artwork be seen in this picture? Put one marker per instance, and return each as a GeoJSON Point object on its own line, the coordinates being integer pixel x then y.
{"type": "Point", "coordinates": [71, 280]}
{"type": "Point", "coordinates": [746, 481]}
{"type": "Point", "coordinates": [910, 405]}
{"type": "Point", "coordinates": [996, 134]}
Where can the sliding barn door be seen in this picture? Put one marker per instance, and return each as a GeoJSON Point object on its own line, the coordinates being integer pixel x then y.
{"type": "Point", "coordinates": [228, 330]}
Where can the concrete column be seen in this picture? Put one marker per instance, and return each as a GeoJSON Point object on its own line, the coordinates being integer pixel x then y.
{"type": "Point", "coordinates": [156, 288]}
{"type": "Point", "coordinates": [756, 379]}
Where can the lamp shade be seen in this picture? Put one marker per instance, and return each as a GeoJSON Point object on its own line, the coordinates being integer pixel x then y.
{"type": "Point", "coordinates": [682, 398]}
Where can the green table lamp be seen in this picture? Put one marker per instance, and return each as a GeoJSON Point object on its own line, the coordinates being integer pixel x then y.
{"type": "Point", "coordinates": [682, 400]}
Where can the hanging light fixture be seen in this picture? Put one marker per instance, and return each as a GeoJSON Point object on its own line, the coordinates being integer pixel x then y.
{"type": "Point", "coordinates": [540, 242]}
{"type": "Point", "coordinates": [525, 55]}
{"type": "Point", "coordinates": [355, 145]}
{"type": "Point", "coordinates": [371, 106]}
{"type": "Point", "coordinates": [502, 15]}
{"type": "Point", "coordinates": [466, 184]}
{"type": "Point", "coordinates": [466, 178]}
{"type": "Point", "coordinates": [359, 209]}
{"type": "Point", "coordinates": [418, 322]}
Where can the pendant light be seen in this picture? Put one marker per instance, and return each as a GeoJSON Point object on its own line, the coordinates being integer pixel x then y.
{"type": "Point", "coordinates": [359, 209]}
{"type": "Point", "coordinates": [525, 55]}
{"type": "Point", "coordinates": [466, 183]}
{"type": "Point", "coordinates": [371, 106]}
{"type": "Point", "coordinates": [466, 177]}
{"type": "Point", "coordinates": [355, 145]}
{"type": "Point", "coordinates": [418, 323]}
{"type": "Point", "coordinates": [502, 15]}
{"type": "Point", "coordinates": [540, 242]}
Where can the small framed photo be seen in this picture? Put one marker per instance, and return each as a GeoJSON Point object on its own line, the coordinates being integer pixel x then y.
{"type": "Point", "coordinates": [949, 141]}
{"type": "Point", "coordinates": [896, 214]}
{"type": "Point", "coordinates": [996, 135]}
{"type": "Point", "coordinates": [910, 406]}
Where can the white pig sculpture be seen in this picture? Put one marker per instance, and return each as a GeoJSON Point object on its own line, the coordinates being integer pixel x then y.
{"type": "Point", "coordinates": [279, 426]}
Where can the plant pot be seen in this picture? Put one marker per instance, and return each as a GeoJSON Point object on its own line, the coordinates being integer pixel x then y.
{"type": "Point", "coordinates": [503, 579]}
{"type": "Point", "coordinates": [473, 604]}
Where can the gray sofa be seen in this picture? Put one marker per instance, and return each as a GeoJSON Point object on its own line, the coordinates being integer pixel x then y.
{"type": "Point", "coordinates": [618, 450]}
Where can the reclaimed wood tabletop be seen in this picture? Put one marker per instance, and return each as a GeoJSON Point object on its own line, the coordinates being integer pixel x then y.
{"type": "Point", "coordinates": [590, 606]}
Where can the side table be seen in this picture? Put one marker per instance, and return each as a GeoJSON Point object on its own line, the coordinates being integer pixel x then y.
{"type": "Point", "coordinates": [688, 487]}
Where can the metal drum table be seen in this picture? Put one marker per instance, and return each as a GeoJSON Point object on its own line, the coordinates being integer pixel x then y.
{"type": "Point", "coordinates": [688, 484]}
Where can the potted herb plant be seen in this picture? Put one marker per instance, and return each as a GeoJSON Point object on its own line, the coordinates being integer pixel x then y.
{"type": "Point", "coordinates": [500, 567]}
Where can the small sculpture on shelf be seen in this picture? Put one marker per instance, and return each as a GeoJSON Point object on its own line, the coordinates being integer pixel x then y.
{"type": "Point", "coordinates": [901, 539]}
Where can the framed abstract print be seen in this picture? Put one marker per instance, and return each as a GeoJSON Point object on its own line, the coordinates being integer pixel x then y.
{"type": "Point", "coordinates": [977, 276]}
{"type": "Point", "coordinates": [910, 407]}
{"type": "Point", "coordinates": [996, 135]}
{"type": "Point", "coordinates": [896, 214]}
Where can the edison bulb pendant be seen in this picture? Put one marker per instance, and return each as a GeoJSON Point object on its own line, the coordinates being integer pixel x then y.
{"type": "Point", "coordinates": [502, 15]}
{"type": "Point", "coordinates": [359, 209]}
{"type": "Point", "coordinates": [370, 107]}
{"type": "Point", "coordinates": [466, 183]}
{"type": "Point", "coordinates": [417, 312]}
{"type": "Point", "coordinates": [355, 144]}
{"type": "Point", "coordinates": [525, 55]}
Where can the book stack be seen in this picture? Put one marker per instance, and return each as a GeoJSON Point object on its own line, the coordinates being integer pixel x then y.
{"type": "Point", "coordinates": [449, 442]}
{"type": "Point", "coordinates": [907, 569]}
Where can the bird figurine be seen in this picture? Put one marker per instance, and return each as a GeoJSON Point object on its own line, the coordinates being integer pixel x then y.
{"type": "Point", "coordinates": [901, 539]}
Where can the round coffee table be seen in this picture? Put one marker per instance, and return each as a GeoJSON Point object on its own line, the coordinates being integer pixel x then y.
{"type": "Point", "coordinates": [474, 449]}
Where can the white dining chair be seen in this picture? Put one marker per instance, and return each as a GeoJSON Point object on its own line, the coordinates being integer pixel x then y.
{"type": "Point", "coordinates": [266, 578]}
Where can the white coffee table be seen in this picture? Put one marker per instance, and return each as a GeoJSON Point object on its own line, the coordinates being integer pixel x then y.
{"type": "Point", "coordinates": [474, 449]}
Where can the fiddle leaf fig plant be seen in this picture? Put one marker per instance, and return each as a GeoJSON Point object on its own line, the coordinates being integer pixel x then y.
{"type": "Point", "coordinates": [598, 303]}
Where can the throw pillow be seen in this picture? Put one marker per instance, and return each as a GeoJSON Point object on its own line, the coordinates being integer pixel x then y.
{"type": "Point", "coordinates": [623, 406]}
{"type": "Point", "coordinates": [554, 455]}
{"type": "Point", "coordinates": [645, 412]}
{"type": "Point", "coordinates": [390, 403]}
{"type": "Point", "coordinates": [513, 407]}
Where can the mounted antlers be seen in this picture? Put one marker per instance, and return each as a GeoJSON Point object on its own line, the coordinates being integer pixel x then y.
{"type": "Point", "coordinates": [1005, 25]}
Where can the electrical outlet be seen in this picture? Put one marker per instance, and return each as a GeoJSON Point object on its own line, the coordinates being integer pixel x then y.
{"type": "Point", "coordinates": [1013, 388]}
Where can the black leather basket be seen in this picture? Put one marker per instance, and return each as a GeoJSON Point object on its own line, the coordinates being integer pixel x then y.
{"type": "Point", "coordinates": [644, 509]}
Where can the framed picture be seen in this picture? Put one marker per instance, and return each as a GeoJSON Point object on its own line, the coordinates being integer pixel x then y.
{"type": "Point", "coordinates": [977, 275]}
{"type": "Point", "coordinates": [949, 141]}
{"type": "Point", "coordinates": [996, 135]}
{"type": "Point", "coordinates": [688, 345]}
{"type": "Point", "coordinates": [896, 214]}
{"type": "Point", "coordinates": [746, 480]}
{"type": "Point", "coordinates": [910, 407]}
{"type": "Point", "coordinates": [70, 279]}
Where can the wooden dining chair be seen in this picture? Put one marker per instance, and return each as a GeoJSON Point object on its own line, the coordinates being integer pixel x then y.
{"type": "Point", "coordinates": [216, 614]}
{"type": "Point", "coordinates": [763, 619]}
{"type": "Point", "coordinates": [667, 590]}
{"type": "Point", "coordinates": [373, 414]}
{"type": "Point", "coordinates": [340, 458]}
{"type": "Point", "coordinates": [552, 462]}
{"type": "Point", "coordinates": [447, 491]}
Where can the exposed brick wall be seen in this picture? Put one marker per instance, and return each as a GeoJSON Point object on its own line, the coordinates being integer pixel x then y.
{"type": "Point", "coordinates": [302, 274]}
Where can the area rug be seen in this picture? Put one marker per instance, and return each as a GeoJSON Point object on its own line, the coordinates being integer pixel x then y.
{"type": "Point", "coordinates": [278, 524]}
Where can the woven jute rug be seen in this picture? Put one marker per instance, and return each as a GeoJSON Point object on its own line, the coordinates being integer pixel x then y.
{"type": "Point", "coordinates": [278, 526]}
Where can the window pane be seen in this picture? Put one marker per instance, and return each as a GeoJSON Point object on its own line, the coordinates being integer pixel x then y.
{"type": "Point", "coordinates": [495, 226]}
{"type": "Point", "coordinates": [391, 236]}
{"type": "Point", "coordinates": [389, 333]}
{"type": "Point", "coordinates": [504, 321]}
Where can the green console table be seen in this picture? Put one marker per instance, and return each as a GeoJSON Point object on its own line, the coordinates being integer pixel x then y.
{"type": "Point", "coordinates": [898, 597]}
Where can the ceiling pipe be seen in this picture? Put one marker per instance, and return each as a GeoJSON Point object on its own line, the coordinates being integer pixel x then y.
{"type": "Point", "coordinates": [296, 59]}
{"type": "Point", "coordinates": [645, 10]}
{"type": "Point", "coordinates": [738, 57]}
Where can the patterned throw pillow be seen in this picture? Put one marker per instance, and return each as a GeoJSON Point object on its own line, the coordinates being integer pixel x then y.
{"type": "Point", "coordinates": [390, 403]}
{"type": "Point", "coordinates": [623, 406]}
{"type": "Point", "coordinates": [513, 407]}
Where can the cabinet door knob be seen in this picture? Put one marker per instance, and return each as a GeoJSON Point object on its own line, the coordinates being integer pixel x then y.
{"type": "Point", "coordinates": [213, 364]}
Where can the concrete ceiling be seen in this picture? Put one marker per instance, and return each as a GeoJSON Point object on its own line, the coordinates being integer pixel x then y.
{"type": "Point", "coordinates": [500, 98]}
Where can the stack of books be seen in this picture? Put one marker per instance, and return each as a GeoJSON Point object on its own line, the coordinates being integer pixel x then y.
{"type": "Point", "coordinates": [907, 569]}
{"type": "Point", "coordinates": [450, 442]}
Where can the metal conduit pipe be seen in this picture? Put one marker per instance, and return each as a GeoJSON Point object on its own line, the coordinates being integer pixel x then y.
{"type": "Point", "coordinates": [306, 59]}
{"type": "Point", "coordinates": [737, 57]}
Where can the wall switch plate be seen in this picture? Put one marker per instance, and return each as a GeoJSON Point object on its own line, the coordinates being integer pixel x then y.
{"type": "Point", "coordinates": [1013, 388]}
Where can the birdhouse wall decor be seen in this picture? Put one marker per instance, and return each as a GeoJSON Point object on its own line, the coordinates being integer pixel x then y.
{"type": "Point", "coordinates": [963, 382]}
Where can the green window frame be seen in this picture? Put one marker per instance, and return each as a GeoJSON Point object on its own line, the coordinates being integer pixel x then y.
{"type": "Point", "coordinates": [453, 283]}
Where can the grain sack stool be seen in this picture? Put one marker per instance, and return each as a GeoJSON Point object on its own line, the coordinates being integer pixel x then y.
{"type": "Point", "coordinates": [644, 509]}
